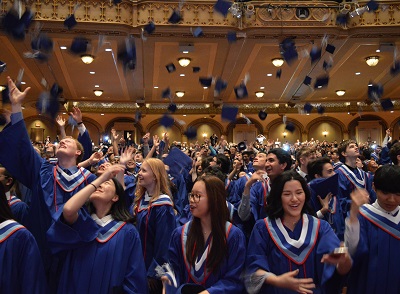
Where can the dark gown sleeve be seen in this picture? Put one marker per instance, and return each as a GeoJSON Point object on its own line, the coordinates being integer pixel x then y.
{"type": "Point", "coordinates": [86, 142]}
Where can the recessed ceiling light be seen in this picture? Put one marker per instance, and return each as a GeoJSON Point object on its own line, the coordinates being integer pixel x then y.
{"type": "Point", "coordinates": [108, 50]}
{"type": "Point", "coordinates": [262, 88]}
{"type": "Point", "coordinates": [185, 52]}
{"type": "Point", "coordinates": [182, 75]}
{"type": "Point", "coordinates": [92, 72]}
{"type": "Point", "coordinates": [391, 111]}
{"type": "Point", "coordinates": [23, 83]}
{"type": "Point", "coordinates": [269, 75]}
{"type": "Point", "coordinates": [358, 73]}
{"type": "Point", "coordinates": [101, 113]}
{"type": "Point", "coordinates": [63, 47]}
{"type": "Point", "coordinates": [378, 50]}
{"type": "Point", "coordinates": [184, 115]}
{"type": "Point", "coordinates": [96, 86]}
{"type": "Point", "coordinates": [205, 87]}
{"type": "Point", "coordinates": [155, 87]}
{"type": "Point", "coordinates": [64, 113]}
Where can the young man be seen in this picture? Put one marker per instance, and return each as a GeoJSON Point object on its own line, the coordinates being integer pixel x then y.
{"type": "Point", "coordinates": [303, 157]}
{"type": "Point", "coordinates": [394, 153]}
{"type": "Point", "coordinates": [373, 235]}
{"type": "Point", "coordinates": [335, 158]}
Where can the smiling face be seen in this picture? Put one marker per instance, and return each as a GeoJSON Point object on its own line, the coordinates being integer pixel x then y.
{"type": "Point", "coordinates": [103, 167]}
{"type": "Point", "coordinates": [273, 167]}
{"type": "Point", "coordinates": [388, 201]}
{"type": "Point", "coordinates": [104, 194]}
{"type": "Point", "coordinates": [199, 201]}
{"type": "Point", "coordinates": [293, 199]}
{"type": "Point", "coordinates": [68, 148]}
{"type": "Point", "coordinates": [327, 170]}
{"type": "Point", "coordinates": [259, 161]}
{"type": "Point", "coordinates": [146, 177]}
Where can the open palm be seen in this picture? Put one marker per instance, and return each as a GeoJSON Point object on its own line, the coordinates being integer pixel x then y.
{"type": "Point", "coordinates": [16, 96]}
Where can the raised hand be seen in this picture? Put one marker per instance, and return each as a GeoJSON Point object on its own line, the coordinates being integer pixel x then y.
{"type": "Point", "coordinates": [325, 202]}
{"type": "Point", "coordinates": [111, 172]}
{"type": "Point", "coordinates": [60, 121]}
{"type": "Point", "coordinates": [127, 155]}
{"type": "Point", "coordinates": [16, 96]}
{"type": "Point", "coordinates": [76, 114]}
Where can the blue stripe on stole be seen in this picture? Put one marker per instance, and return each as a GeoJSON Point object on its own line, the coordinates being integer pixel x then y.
{"type": "Point", "coordinates": [102, 238]}
{"type": "Point", "coordinates": [9, 230]}
{"type": "Point", "coordinates": [381, 221]}
{"type": "Point", "coordinates": [297, 255]}
{"type": "Point", "coordinates": [14, 200]}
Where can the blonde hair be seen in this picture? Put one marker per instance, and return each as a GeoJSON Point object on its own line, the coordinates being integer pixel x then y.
{"type": "Point", "coordinates": [161, 178]}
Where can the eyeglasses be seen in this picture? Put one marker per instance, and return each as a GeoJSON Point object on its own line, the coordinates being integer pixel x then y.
{"type": "Point", "coordinates": [194, 197]}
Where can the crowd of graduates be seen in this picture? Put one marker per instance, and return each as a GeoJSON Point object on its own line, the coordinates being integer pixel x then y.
{"type": "Point", "coordinates": [209, 217]}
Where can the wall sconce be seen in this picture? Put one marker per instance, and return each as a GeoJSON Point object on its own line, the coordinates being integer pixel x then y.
{"type": "Point", "coordinates": [87, 58]}
{"type": "Point", "coordinates": [372, 60]}
{"type": "Point", "coordinates": [340, 92]}
{"type": "Point", "coordinates": [284, 134]}
{"type": "Point", "coordinates": [184, 61]}
{"type": "Point", "coordinates": [259, 94]}
{"type": "Point", "coordinates": [325, 133]}
{"type": "Point", "coordinates": [278, 62]}
{"type": "Point", "coordinates": [180, 94]}
{"type": "Point", "coordinates": [204, 135]}
{"type": "Point", "coordinates": [98, 93]}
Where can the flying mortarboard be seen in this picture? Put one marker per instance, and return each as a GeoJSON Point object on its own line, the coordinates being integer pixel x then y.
{"type": "Point", "coordinates": [220, 85]}
{"type": "Point", "coordinates": [231, 36]}
{"type": "Point", "coordinates": [308, 108]}
{"type": "Point", "coordinates": [196, 69]}
{"type": "Point", "coordinates": [79, 45]}
{"type": "Point", "coordinates": [241, 146]}
{"type": "Point", "coordinates": [229, 113]}
{"type": "Point", "coordinates": [191, 132]}
{"type": "Point", "coordinates": [387, 104]}
{"type": "Point", "coordinates": [172, 107]}
{"type": "Point", "coordinates": [395, 69]}
{"type": "Point", "coordinates": [178, 163]}
{"type": "Point", "coordinates": [127, 53]}
{"type": "Point", "coordinates": [307, 81]}
{"type": "Point", "coordinates": [278, 73]}
{"type": "Point", "coordinates": [375, 91]}
{"type": "Point", "coordinates": [291, 104]}
{"type": "Point", "coordinates": [197, 32]}
{"type": "Point", "coordinates": [241, 91]}
{"type": "Point", "coordinates": [321, 82]}
{"type": "Point", "coordinates": [116, 2]}
{"type": "Point", "coordinates": [42, 43]}
{"type": "Point", "coordinates": [138, 116]}
{"type": "Point", "coordinates": [70, 21]}
{"type": "Point", "coordinates": [342, 19]}
{"type": "Point", "coordinates": [222, 7]}
{"type": "Point", "coordinates": [290, 127]}
{"type": "Point", "coordinates": [167, 121]}
{"type": "Point", "coordinates": [321, 109]}
{"type": "Point", "coordinates": [327, 65]}
{"type": "Point", "coordinates": [330, 48]}
{"type": "Point", "coordinates": [166, 93]}
{"type": "Point", "coordinates": [262, 114]}
{"type": "Point", "coordinates": [288, 50]}
{"type": "Point", "coordinates": [15, 26]}
{"type": "Point", "coordinates": [175, 17]}
{"type": "Point", "coordinates": [170, 67]}
{"type": "Point", "coordinates": [324, 186]}
{"type": "Point", "coordinates": [205, 81]}
{"type": "Point", "coordinates": [315, 54]}
{"type": "Point", "coordinates": [150, 27]}
{"type": "Point", "coordinates": [372, 5]}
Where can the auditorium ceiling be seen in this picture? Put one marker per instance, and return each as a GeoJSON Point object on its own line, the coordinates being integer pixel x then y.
{"type": "Point", "coordinates": [259, 32]}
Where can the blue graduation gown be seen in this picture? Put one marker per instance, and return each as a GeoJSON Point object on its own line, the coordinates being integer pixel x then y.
{"type": "Point", "coordinates": [181, 195]}
{"type": "Point", "coordinates": [376, 261]}
{"type": "Point", "coordinates": [270, 251]}
{"type": "Point", "coordinates": [86, 142]}
{"type": "Point", "coordinates": [225, 279]}
{"type": "Point", "coordinates": [236, 194]}
{"type": "Point", "coordinates": [19, 209]}
{"type": "Point", "coordinates": [130, 188]}
{"type": "Point", "coordinates": [21, 269]}
{"type": "Point", "coordinates": [98, 259]}
{"type": "Point", "coordinates": [258, 199]}
{"type": "Point", "coordinates": [155, 224]}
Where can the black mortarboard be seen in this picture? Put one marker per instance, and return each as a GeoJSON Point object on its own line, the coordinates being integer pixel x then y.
{"type": "Point", "coordinates": [308, 108]}
{"type": "Point", "coordinates": [324, 186]}
{"type": "Point", "coordinates": [321, 82]}
{"type": "Point", "coordinates": [70, 21]}
{"type": "Point", "coordinates": [56, 90]}
{"type": "Point", "coordinates": [262, 114]}
{"type": "Point", "coordinates": [342, 19]}
{"type": "Point", "coordinates": [241, 91]}
{"type": "Point", "coordinates": [222, 7]}
{"type": "Point", "coordinates": [16, 26]}
{"type": "Point", "coordinates": [27, 17]}
{"type": "Point", "coordinates": [290, 127]}
{"type": "Point", "coordinates": [191, 133]}
{"type": "Point", "coordinates": [150, 27]}
{"type": "Point", "coordinates": [395, 69]}
{"type": "Point", "coordinates": [3, 66]}
{"type": "Point", "coordinates": [138, 116]}
{"type": "Point", "coordinates": [330, 48]}
{"type": "Point", "coordinates": [127, 53]}
{"type": "Point", "coordinates": [387, 104]}
{"type": "Point", "coordinates": [205, 82]}
{"type": "Point", "coordinates": [307, 81]}
{"type": "Point", "coordinates": [241, 146]}
{"type": "Point", "coordinates": [175, 17]}
{"type": "Point", "coordinates": [231, 36]}
{"type": "Point", "coordinates": [229, 113]}
{"type": "Point", "coordinates": [321, 109]}
{"type": "Point", "coordinates": [5, 95]}
{"type": "Point", "coordinates": [197, 32]}
{"type": "Point", "coordinates": [79, 45]}
{"type": "Point", "coordinates": [278, 73]}
{"type": "Point", "coordinates": [326, 65]}
{"type": "Point", "coordinates": [170, 67]}
{"type": "Point", "coordinates": [166, 93]}
{"type": "Point", "coordinates": [196, 69]}
{"type": "Point", "coordinates": [372, 5]}
{"type": "Point", "coordinates": [375, 91]}
{"type": "Point", "coordinates": [315, 54]}
{"type": "Point", "coordinates": [288, 50]}
{"type": "Point", "coordinates": [116, 2]}
{"type": "Point", "coordinates": [220, 85]}
{"type": "Point", "coordinates": [42, 43]}
{"type": "Point", "coordinates": [291, 104]}
{"type": "Point", "coordinates": [172, 107]}
{"type": "Point", "coordinates": [167, 121]}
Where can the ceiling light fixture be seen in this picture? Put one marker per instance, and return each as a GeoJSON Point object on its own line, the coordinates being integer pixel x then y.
{"type": "Point", "coordinates": [278, 62]}
{"type": "Point", "coordinates": [259, 94]}
{"type": "Point", "coordinates": [98, 93]}
{"type": "Point", "coordinates": [179, 94]}
{"type": "Point", "coordinates": [87, 58]}
{"type": "Point", "coordinates": [2, 88]}
{"type": "Point", "coordinates": [184, 61]}
{"type": "Point", "coordinates": [372, 60]}
{"type": "Point", "coordinates": [340, 92]}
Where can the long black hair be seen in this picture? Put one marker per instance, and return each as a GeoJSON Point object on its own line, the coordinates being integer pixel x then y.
{"type": "Point", "coordinates": [274, 208]}
{"type": "Point", "coordinates": [118, 209]}
{"type": "Point", "coordinates": [5, 210]}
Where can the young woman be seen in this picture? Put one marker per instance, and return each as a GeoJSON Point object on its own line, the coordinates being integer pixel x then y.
{"type": "Point", "coordinates": [103, 250]}
{"type": "Point", "coordinates": [21, 269]}
{"type": "Point", "coordinates": [153, 208]}
{"type": "Point", "coordinates": [208, 252]}
{"type": "Point", "coordinates": [289, 249]}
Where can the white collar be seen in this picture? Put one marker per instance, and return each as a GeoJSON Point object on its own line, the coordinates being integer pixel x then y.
{"type": "Point", "coordinates": [6, 222]}
{"type": "Point", "coordinates": [102, 221]}
{"type": "Point", "coordinates": [8, 195]}
{"type": "Point", "coordinates": [301, 173]}
{"type": "Point", "coordinates": [392, 213]}
{"type": "Point", "coordinates": [147, 197]}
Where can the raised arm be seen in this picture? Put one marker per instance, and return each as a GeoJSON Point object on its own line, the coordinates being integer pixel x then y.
{"type": "Point", "coordinates": [16, 96]}
{"type": "Point", "coordinates": [114, 137]}
{"type": "Point", "coordinates": [61, 124]}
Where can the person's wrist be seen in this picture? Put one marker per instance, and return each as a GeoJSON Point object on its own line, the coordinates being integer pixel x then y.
{"type": "Point", "coordinates": [79, 123]}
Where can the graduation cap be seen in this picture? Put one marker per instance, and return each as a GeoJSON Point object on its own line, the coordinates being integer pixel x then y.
{"type": "Point", "coordinates": [291, 104]}
{"type": "Point", "coordinates": [231, 36]}
{"type": "Point", "coordinates": [308, 108]}
{"type": "Point", "coordinates": [15, 26]}
{"type": "Point", "coordinates": [241, 146]}
{"type": "Point", "coordinates": [42, 43]}
{"type": "Point", "coordinates": [166, 93]}
{"type": "Point", "coordinates": [290, 127]}
{"type": "Point", "coordinates": [149, 28]}
{"type": "Point", "coordinates": [278, 73]}
{"type": "Point", "coordinates": [315, 54]}
{"type": "Point", "coordinates": [241, 91]}
{"type": "Point", "coordinates": [175, 17]}
{"type": "Point", "coordinates": [288, 50]}
{"type": "Point", "coordinates": [116, 2]}
{"type": "Point", "coordinates": [342, 19]}
{"type": "Point", "coordinates": [197, 32]}
{"type": "Point", "coordinates": [229, 113]}
{"type": "Point", "coordinates": [307, 81]}
{"type": "Point", "coordinates": [262, 114]}
{"type": "Point", "coordinates": [205, 81]}
{"type": "Point", "coordinates": [222, 7]}
{"type": "Point", "coordinates": [191, 132]}
{"type": "Point", "coordinates": [3, 66]}
{"type": "Point", "coordinates": [178, 162]}
{"type": "Point", "coordinates": [167, 121]}
{"type": "Point", "coordinates": [321, 82]}
{"type": "Point", "coordinates": [327, 65]}
{"type": "Point", "coordinates": [220, 85]}
{"type": "Point", "coordinates": [330, 48]}
{"type": "Point", "coordinates": [375, 91]}
{"type": "Point", "coordinates": [79, 45]}
{"type": "Point", "coordinates": [172, 107]}
{"type": "Point", "coordinates": [138, 116]}
{"type": "Point", "coordinates": [372, 5]}
{"type": "Point", "coordinates": [196, 69]}
{"type": "Point", "coordinates": [127, 53]}
{"type": "Point", "coordinates": [70, 21]}
{"type": "Point", "coordinates": [170, 67]}
{"type": "Point", "coordinates": [324, 186]}
{"type": "Point", "coordinates": [395, 69]}
{"type": "Point", "coordinates": [387, 104]}
{"type": "Point", "coordinates": [321, 109]}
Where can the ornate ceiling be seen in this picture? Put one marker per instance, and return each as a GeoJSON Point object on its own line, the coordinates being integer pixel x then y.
{"type": "Point", "coordinates": [248, 59]}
